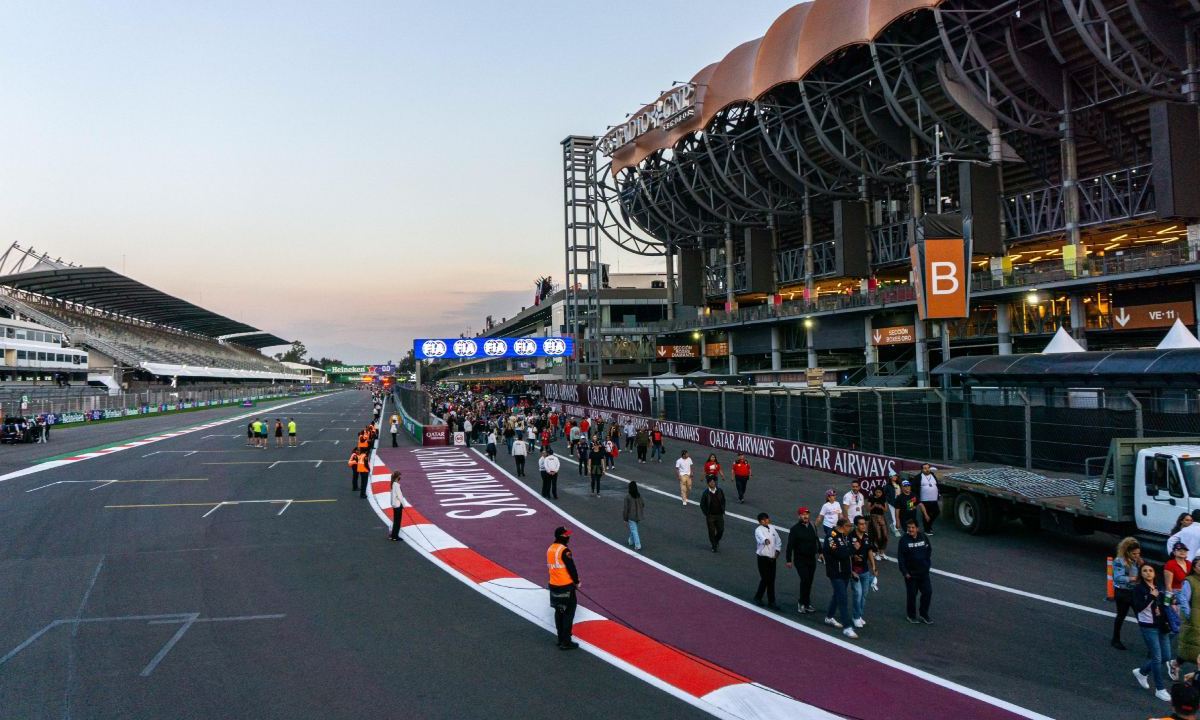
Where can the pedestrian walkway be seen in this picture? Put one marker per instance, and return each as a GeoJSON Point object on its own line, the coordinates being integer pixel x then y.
{"type": "Point", "coordinates": [482, 508]}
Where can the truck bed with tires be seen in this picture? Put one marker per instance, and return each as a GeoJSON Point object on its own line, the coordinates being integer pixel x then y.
{"type": "Point", "coordinates": [1140, 487]}
{"type": "Point", "coordinates": [982, 498]}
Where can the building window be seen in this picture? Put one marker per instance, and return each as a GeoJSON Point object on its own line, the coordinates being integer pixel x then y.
{"type": "Point", "coordinates": [21, 355]}
{"type": "Point", "coordinates": [41, 357]}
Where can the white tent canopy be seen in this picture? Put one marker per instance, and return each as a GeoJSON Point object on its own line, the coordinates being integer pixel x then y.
{"type": "Point", "coordinates": [1179, 337]}
{"type": "Point", "coordinates": [1062, 343]}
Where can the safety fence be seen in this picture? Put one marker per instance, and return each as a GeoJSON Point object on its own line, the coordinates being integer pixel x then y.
{"type": "Point", "coordinates": [415, 407]}
{"type": "Point", "coordinates": [86, 407]}
{"type": "Point", "coordinates": [1049, 429]}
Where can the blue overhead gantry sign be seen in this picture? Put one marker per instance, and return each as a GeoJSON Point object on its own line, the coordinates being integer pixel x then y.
{"type": "Point", "coordinates": [472, 348]}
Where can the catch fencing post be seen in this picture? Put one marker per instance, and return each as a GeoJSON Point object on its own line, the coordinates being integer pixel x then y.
{"type": "Point", "coordinates": [1138, 420]}
{"type": "Point", "coordinates": [699, 411]}
{"type": "Point", "coordinates": [790, 434]}
{"type": "Point", "coordinates": [828, 416]}
{"type": "Point", "coordinates": [753, 412]}
{"type": "Point", "coordinates": [946, 426]}
{"type": "Point", "coordinates": [879, 416]}
{"type": "Point", "coordinates": [1028, 430]}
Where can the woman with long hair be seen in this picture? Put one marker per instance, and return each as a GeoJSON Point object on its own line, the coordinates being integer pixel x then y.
{"type": "Point", "coordinates": [877, 509]}
{"type": "Point", "coordinates": [1126, 564]}
{"type": "Point", "coordinates": [397, 506]}
{"type": "Point", "coordinates": [712, 468]}
{"type": "Point", "coordinates": [632, 515]}
{"type": "Point", "coordinates": [1152, 621]}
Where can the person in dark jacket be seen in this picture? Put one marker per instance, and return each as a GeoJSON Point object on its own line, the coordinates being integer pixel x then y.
{"type": "Point", "coordinates": [1150, 611]}
{"type": "Point", "coordinates": [583, 451]}
{"type": "Point", "coordinates": [914, 555]}
{"type": "Point", "coordinates": [803, 546]}
{"type": "Point", "coordinates": [837, 553]}
{"type": "Point", "coordinates": [712, 504]}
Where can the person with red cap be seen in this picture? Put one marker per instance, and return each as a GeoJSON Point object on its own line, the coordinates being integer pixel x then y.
{"type": "Point", "coordinates": [803, 547]}
{"type": "Point", "coordinates": [564, 579]}
{"type": "Point", "coordinates": [1185, 701]}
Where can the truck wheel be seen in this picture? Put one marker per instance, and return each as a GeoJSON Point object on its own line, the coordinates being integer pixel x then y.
{"type": "Point", "coordinates": [971, 513]}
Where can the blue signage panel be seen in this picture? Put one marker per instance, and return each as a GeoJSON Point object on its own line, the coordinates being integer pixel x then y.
{"type": "Point", "coordinates": [472, 348]}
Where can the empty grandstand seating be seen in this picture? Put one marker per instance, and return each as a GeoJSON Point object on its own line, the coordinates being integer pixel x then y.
{"type": "Point", "coordinates": [137, 343]}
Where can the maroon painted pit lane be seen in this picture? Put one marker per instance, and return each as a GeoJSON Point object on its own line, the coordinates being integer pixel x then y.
{"type": "Point", "coordinates": [476, 503]}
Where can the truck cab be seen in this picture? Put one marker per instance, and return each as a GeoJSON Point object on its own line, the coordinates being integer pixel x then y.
{"type": "Point", "coordinates": [1166, 484]}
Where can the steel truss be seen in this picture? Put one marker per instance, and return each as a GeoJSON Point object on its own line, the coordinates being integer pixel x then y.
{"type": "Point", "coordinates": [1008, 81]}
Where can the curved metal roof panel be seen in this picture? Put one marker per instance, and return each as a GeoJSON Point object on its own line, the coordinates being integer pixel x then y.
{"type": "Point", "coordinates": [1112, 363]}
{"type": "Point", "coordinates": [104, 289]}
{"type": "Point", "coordinates": [799, 40]}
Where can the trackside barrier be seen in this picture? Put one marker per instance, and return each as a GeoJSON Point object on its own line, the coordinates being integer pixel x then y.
{"type": "Point", "coordinates": [422, 433]}
{"type": "Point", "coordinates": [869, 467]}
{"type": "Point", "coordinates": [136, 404]}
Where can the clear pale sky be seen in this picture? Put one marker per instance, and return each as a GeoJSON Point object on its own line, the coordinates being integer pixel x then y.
{"type": "Point", "coordinates": [350, 174]}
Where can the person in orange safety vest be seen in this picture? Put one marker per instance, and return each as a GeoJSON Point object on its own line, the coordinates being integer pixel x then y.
{"type": "Point", "coordinates": [564, 579]}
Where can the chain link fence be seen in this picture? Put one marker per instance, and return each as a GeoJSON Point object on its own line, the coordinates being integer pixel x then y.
{"type": "Point", "coordinates": [74, 401]}
{"type": "Point", "coordinates": [416, 403]}
{"type": "Point", "coordinates": [1044, 428]}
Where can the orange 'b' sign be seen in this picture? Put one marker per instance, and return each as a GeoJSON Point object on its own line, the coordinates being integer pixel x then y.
{"type": "Point", "coordinates": [945, 278]}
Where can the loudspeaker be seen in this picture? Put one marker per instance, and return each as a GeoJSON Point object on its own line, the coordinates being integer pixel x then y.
{"type": "Point", "coordinates": [979, 191]}
{"type": "Point", "coordinates": [850, 239]}
{"type": "Point", "coordinates": [760, 261]}
{"type": "Point", "coordinates": [1174, 137]}
{"type": "Point", "coordinates": [691, 278]}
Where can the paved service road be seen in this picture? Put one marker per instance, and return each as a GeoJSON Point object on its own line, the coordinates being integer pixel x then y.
{"type": "Point", "coordinates": [182, 608]}
{"type": "Point", "coordinates": [1012, 641]}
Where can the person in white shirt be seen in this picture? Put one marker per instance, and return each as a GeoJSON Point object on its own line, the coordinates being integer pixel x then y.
{"type": "Point", "coordinates": [1190, 537]}
{"type": "Point", "coordinates": [397, 506]}
{"type": "Point", "coordinates": [468, 431]}
{"type": "Point", "coordinates": [519, 451]}
{"type": "Point", "coordinates": [395, 428]}
{"type": "Point", "coordinates": [929, 496]}
{"type": "Point", "coordinates": [830, 512]}
{"type": "Point", "coordinates": [683, 469]}
{"type": "Point", "coordinates": [854, 501]}
{"type": "Point", "coordinates": [549, 465]}
{"type": "Point", "coordinates": [767, 547]}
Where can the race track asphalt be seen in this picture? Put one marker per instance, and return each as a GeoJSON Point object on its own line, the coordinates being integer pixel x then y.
{"type": "Point", "coordinates": [1010, 639]}
{"type": "Point", "coordinates": [182, 608]}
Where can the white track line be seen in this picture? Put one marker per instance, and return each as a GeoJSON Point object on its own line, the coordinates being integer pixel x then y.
{"type": "Point", "coordinates": [129, 444]}
{"type": "Point", "coordinates": [935, 571]}
{"type": "Point", "coordinates": [812, 631]}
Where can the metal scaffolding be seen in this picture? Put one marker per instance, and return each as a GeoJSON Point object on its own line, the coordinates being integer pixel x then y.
{"type": "Point", "coordinates": [582, 250]}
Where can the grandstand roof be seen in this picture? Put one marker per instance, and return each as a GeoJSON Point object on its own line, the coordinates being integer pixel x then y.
{"type": "Point", "coordinates": [257, 340]}
{"type": "Point", "coordinates": [104, 289]}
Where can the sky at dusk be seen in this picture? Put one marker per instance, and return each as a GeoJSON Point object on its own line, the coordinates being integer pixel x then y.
{"type": "Point", "coordinates": [350, 174]}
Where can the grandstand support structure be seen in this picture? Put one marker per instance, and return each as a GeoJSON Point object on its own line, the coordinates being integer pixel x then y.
{"type": "Point", "coordinates": [18, 259]}
{"type": "Point", "coordinates": [137, 332]}
{"type": "Point", "coordinates": [582, 251]}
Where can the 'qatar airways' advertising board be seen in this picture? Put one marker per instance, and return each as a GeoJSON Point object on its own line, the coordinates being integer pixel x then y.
{"type": "Point", "coordinates": [840, 461]}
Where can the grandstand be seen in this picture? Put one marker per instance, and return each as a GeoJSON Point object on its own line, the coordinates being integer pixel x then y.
{"type": "Point", "coordinates": [133, 332]}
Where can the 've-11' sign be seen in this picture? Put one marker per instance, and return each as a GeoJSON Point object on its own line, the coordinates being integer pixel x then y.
{"type": "Point", "coordinates": [472, 348]}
